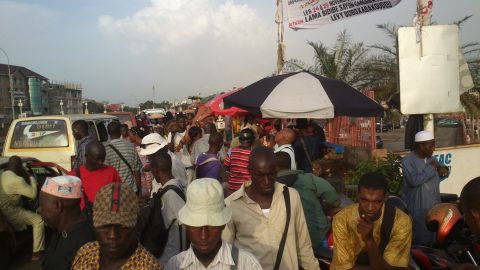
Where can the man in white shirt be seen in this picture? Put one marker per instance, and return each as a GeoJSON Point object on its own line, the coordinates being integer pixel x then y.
{"type": "Point", "coordinates": [284, 140]}
{"type": "Point", "coordinates": [176, 140]}
{"type": "Point", "coordinates": [172, 202]}
{"type": "Point", "coordinates": [154, 143]}
{"type": "Point", "coordinates": [204, 217]}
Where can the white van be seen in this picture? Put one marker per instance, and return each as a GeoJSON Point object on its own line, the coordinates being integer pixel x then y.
{"type": "Point", "coordinates": [50, 139]}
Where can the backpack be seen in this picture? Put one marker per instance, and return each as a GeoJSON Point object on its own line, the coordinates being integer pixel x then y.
{"type": "Point", "coordinates": [153, 233]}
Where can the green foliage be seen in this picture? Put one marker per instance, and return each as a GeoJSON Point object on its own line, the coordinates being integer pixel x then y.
{"type": "Point", "coordinates": [345, 61]}
{"type": "Point", "coordinates": [390, 167]}
{"type": "Point", "coordinates": [149, 105]}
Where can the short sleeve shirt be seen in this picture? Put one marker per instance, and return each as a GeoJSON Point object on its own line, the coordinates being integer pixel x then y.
{"type": "Point", "coordinates": [348, 243]}
{"type": "Point", "coordinates": [88, 258]}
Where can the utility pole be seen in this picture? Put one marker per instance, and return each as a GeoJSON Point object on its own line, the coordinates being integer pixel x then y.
{"type": "Point", "coordinates": [153, 89]}
{"type": "Point", "coordinates": [11, 84]}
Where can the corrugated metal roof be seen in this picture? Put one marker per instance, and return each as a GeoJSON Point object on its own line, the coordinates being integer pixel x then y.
{"type": "Point", "coordinates": [25, 71]}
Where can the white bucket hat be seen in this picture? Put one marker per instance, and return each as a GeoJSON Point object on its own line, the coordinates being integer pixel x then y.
{"type": "Point", "coordinates": [151, 144]}
{"type": "Point", "coordinates": [205, 204]}
{"type": "Point", "coordinates": [424, 136]}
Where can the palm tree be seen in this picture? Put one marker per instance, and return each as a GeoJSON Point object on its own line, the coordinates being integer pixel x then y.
{"type": "Point", "coordinates": [345, 61]}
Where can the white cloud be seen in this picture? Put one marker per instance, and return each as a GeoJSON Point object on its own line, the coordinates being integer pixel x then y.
{"type": "Point", "coordinates": [167, 25]}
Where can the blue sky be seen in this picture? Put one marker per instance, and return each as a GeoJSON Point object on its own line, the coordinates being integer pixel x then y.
{"type": "Point", "coordinates": [118, 49]}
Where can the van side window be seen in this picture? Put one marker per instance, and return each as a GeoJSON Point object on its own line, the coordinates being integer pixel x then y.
{"type": "Point", "coordinates": [102, 131]}
{"type": "Point", "coordinates": [92, 131]}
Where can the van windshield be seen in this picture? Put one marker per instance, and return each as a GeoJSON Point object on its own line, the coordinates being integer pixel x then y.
{"type": "Point", "coordinates": [40, 134]}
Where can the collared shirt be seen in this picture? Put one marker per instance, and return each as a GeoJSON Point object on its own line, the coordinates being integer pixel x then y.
{"type": "Point", "coordinates": [251, 230]}
{"type": "Point", "coordinates": [128, 151]}
{"type": "Point", "coordinates": [315, 192]}
{"type": "Point", "coordinates": [88, 257]}
{"type": "Point", "coordinates": [63, 247]}
{"type": "Point", "coordinates": [222, 261]}
{"type": "Point", "coordinates": [171, 204]}
{"type": "Point", "coordinates": [287, 148]}
{"type": "Point", "coordinates": [348, 243]}
{"type": "Point", "coordinates": [80, 155]}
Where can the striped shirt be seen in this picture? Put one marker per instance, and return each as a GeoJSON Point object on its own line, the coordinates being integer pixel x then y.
{"type": "Point", "coordinates": [129, 152]}
{"type": "Point", "coordinates": [237, 161]}
{"type": "Point", "coordinates": [222, 261]}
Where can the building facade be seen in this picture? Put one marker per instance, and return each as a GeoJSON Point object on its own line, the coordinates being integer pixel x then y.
{"type": "Point", "coordinates": [63, 98]}
{"type": "Point", "coordinates": [34, 94]}
{"type": "Point", "coordinates": [26, 84]}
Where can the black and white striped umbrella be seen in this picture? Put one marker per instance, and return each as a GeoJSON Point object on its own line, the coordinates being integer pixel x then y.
{"type": "Point", "coordinates": [303, 95]}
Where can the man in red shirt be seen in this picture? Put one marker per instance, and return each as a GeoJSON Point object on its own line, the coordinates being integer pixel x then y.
{"type": "Point", "coordinates": [94, 174]}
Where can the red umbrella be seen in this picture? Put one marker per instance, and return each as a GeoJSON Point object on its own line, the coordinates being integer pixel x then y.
{"type": "Point", "coordinates": [216, 105]}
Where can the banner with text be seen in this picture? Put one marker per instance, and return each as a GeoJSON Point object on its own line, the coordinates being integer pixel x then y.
{"type": "Point", "coordinates": [315, 13]}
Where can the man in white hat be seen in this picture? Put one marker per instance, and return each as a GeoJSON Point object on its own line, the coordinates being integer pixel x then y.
{"type": "Point", "coordinates": [421, 185]}
{"type": "Point", "coordinates": [154, 143]}
{"type": "Point", "coordinates": [205, 216]}
{"type": "Point", "coordinates": [60, 208]}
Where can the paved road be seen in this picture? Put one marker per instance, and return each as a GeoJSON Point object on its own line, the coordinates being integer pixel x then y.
{"type": "Point", "coordinates": [393, 140]}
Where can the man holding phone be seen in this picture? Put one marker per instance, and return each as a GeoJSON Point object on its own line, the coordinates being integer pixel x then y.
{"type": "Point", "coordinates": [371, 234]}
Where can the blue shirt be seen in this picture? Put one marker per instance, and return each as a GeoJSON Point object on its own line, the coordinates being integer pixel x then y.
{"type": "Point", "coordinates": [421, 191]}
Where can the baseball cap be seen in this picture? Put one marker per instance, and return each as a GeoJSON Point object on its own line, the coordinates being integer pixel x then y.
{"type": "Point", "coordinates": [115, 204]}
{"type": "Point", "coordinates": [205, 204]}
{"type": "Point", "coordinates": [151, 144]}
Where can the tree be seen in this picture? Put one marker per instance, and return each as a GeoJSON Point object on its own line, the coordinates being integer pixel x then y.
{"type": "Point", "coordinates": [149, 105]}
{"type": "Point", "coordinates": [345, 61]}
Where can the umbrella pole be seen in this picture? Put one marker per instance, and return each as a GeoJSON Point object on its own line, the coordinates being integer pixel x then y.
{"type": "Point", "coordinates": [280, 43]}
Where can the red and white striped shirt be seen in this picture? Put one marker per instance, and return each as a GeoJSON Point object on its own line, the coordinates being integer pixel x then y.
{"type": "Point", "coordinates": [237, 161]}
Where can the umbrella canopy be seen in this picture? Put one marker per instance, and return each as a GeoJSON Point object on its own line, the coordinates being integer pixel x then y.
{"type": "Point", "coordinates": [217, 106]}
{"type": "Point", "coordinates": [303, 95]}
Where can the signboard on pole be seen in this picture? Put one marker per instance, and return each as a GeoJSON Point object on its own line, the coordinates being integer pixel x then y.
{"type": "Point", "coordinates": [315, 13]}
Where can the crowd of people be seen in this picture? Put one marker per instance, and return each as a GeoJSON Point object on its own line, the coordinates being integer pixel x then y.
{"type": "Point", "coordinates": [180, 196]}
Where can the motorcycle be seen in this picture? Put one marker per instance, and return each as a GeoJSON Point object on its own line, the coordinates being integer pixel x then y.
{"type": "Point", "coordinates": [454, 244]}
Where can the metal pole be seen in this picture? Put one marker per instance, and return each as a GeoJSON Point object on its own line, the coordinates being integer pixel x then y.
{"type": "Point", "coordinates": [20, 105]}
{"type": "Point", "coordinates": [280, 43]}
{"type": "Point", "coordinates": [61, 107]}
{"type": "Point", "coordinates": [153, 89]}
{"type": "Point", "coordinates": [11, 84]}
